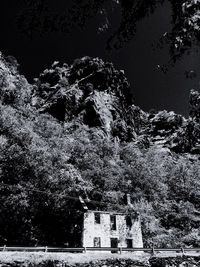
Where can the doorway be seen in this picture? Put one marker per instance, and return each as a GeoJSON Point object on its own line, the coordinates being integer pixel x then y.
{"type": "Point", "coordinates": [114, 244]}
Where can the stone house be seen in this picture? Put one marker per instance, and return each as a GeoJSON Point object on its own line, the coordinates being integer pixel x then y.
{"type": "Point", "coordinates": [111, 229]}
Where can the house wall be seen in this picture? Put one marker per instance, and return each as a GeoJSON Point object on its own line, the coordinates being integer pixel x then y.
{"type": "Point", "coordinates": [103, 230]}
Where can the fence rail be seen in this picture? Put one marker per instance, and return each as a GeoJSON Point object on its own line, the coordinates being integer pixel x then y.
{"type": "Point", "coordinates": [106, 249]}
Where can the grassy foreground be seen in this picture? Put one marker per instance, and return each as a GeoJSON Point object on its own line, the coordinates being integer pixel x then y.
{"type": "Point", "coordinates": [71, 258]}
{"type": "Point", "coordinates": [35, 258]}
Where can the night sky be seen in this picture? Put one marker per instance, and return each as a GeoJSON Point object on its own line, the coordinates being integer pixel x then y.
{"type": "Point", "coordinates": [151, 88]}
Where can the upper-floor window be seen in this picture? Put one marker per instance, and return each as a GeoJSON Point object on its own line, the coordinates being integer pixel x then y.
{"type": "Point", "coordinates": [128, 221]}
{"type": "Point", "coordinates": [113, 225]}
{"type": "Point", "coordinates": [97, 218]}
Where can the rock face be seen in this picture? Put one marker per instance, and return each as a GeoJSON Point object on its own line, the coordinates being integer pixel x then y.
{"type": "Point", "coordinates": [91, 92]}
{"type": "Point", "coordinates": [94, 93]}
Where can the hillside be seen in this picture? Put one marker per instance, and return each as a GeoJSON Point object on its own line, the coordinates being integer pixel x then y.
{"type": "Point", "coordinates": [76, 131]}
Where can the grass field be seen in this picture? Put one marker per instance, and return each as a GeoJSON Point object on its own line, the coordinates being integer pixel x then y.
{"type": "Point", "coordinates": [73, 258]}
{"type": "Point", "coordinates": [37, 257]}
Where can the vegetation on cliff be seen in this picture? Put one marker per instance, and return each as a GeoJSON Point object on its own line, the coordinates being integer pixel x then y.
{"type": "Point", "coordinates": [76, 132]}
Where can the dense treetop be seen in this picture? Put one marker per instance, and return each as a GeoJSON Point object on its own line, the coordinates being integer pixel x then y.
{"type": "Point", "coordinates": [43, 16]}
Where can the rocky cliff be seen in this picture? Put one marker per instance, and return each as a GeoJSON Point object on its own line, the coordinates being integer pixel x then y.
{"type": "Point", "coordinates": [94, 93]}
{"type": "Point", "coordinates": [91, 92]}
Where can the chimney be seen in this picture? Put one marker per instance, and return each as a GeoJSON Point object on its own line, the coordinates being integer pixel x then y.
{"type": "Point", "coordinates": [85, 208]}
{"type": "Point", "coordinates": [128, 199]}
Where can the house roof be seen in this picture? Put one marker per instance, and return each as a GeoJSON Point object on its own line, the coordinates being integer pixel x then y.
{"type": "Point", "coordinates": [106, 212]}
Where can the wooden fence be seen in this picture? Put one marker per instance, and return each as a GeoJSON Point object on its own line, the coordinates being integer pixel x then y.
{"type": "Point", "coordinates": [105, 249]}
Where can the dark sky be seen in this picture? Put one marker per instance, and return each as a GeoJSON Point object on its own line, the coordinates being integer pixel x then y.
{"type": "Point", "coordinates": [151, 87]}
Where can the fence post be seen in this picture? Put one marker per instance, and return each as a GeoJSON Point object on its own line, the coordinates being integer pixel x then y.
{"type": "Point", "coordinates": [120, 250]}
{"type": "Point", "coordinates": [182, 250]}
{"type": "Point", "coordinates": [85, 249]}
{"type": "Point", "coordinates": [4, 247]}
{"type": "Point", "coordinates": [153, 250]}
{"type": "Point", "coordinates": [46, 249]}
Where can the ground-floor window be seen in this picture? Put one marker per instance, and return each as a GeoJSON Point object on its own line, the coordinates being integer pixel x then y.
{"type": "Point", "coordinates": [97, 242]}
{"type": "Point", "coordinates": [129, 243]}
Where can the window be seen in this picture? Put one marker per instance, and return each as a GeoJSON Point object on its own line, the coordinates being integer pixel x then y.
{"type": "Point", "coordinates": [129, 243]}
{"type": "Point", "coordinates": [97, 218]}
{"type": "Point", "coordinates": [128, 221]}
{"type": "Point", "coordinates": [113, 225]}
{"type": "Point", "coordinates": [97, 242]}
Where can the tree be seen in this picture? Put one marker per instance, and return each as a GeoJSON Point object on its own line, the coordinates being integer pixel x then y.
{"type": "Point", "coordinates": [39, 16]}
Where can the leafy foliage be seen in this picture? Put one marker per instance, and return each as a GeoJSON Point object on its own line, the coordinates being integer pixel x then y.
{"type": "Point", "coordinates": [44, 161]}
{"type": "Point", "coordinates": [40, 16]}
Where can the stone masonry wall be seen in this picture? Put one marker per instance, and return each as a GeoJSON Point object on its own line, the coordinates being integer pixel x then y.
{"type": "Point", "coordinates": [103, 230]}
